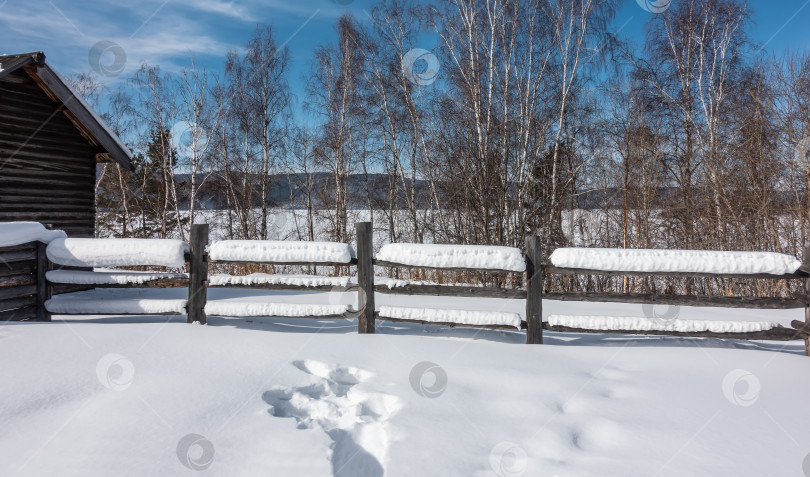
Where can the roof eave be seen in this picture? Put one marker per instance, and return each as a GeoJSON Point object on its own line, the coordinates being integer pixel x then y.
{"type": "Point", "coordinates": [85, 114]}
{"type": "Point", "coordinates": [73, 102]}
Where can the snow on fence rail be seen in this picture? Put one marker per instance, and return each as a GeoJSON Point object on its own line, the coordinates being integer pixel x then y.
{"type": "Point", "coordinates": [451, 257]}
{"type": "Point", "coordinates": [30, 291]}
{"type": "Point", "coordinates": [91, 252]}
{"type": "Point", "coordinates": [726, 264]}
{"type": "Point", "coordinates": [281, 252]}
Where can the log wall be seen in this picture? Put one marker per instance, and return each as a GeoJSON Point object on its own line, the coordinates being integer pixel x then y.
{"type": "Point", "coordinates": [18, 282]}
{"type": "Point", "coordinates": [47, 168]}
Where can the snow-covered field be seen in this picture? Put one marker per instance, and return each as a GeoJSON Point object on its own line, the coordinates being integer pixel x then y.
{"type": "Point", "coordinates": [105, 396]}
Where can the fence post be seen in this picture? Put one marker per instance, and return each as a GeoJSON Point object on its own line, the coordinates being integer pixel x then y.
{"type": "Point", "coordinates": [365, 278]}
{"type": "Point", "coordinates": [44, 289]}
{"type": "Point", "coordinates": [198, 274]}
{"type": "Point", "coordinates": [534, 290]}
{"type": "Point", "coordinates": [806, 302]}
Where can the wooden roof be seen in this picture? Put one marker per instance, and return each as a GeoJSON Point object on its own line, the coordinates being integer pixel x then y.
{"type": "Point", "coordinates": [91, 126]}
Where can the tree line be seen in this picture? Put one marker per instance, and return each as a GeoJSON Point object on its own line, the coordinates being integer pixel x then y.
{"type": "Point", "coordinates": [696, 139]}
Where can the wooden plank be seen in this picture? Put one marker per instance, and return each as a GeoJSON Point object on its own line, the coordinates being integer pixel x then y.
{"type": "Point", "coordinates": [365, 278]}
{"type": "Point", "coordinates": [775, 334]}
{"type": "Point", "coordinates": [198, 274]}
{"type": "Point", "coordinates": [32, 181]}
{"type": "Point", "coordinates": [63, 289]}
{"type": "Point", "coordinates": [46, 207]}
{"type": "Point", "coordinates": [67, 191]}
{"type": "Point", "coordinates": [582, 271]}
{"type": "Point", "coordinates": [445, 323]}
{"type": "Point", "coordinates": [16, 134]}
{"type": "Point", "coordinates": [158, 283]}
{"type": "Point", "coordinates": [168, 313]}
{"type": "Point", "coordinates": [44, 290]}
{"type": "Point", "coordinates": [291, 264]}
{"type": "Point", "coordinates": [36, 120]}
{"type": "Point", "coordinates": [63, 217]}
{"type": "Point", "coordinates": [17, 268]}
{"type": "Point", "coordinates": [682, 300]}
{"type": "Point", "coordinates": [14, 281]}
{"type": "Point", "coordinates": [452, 290]}
{"type": "Point", "coordinates": [25, 247]}
{"type": "Point", "coordinates": [32, 199]}
{"type": "Point", "coordinates": [21, 256]}
{"type": "Point", "coordinates": [15, 303]}
{"type": "Point", "coordinates": [17, 292]}
{"type": "Point", "coordinates": [274, 286]}
{"type": "Point", "coordinates": [45, 160]}
{"type": "Point", "coordinates": [343, 316]}
{"type": "Point", "coordinates": [382, 263]}
{"type": "Point", "coordinates": [534, 290]}
{"type": "Point", "coordinates": [20, 314]}
{"type": "Point", "coordinates": [25, 170]}
{"type": "Point", "coordinates": [15, 138]}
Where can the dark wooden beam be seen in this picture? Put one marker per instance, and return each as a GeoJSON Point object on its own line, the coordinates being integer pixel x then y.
{"type": "Point", "coordinates": [382, 263]}
{"type": "Point", "coordinates": [775, 334]}
{"type": "Point", "coordinates": [534, 290]}
{"type": "Point", "coordinates": [452, 290]}
{"type": "Point", "coordinates": [365, 278]}
{"type": "Point", "coordinates": [682, 300]}
{"type": "Point", "coordinates": [198, 274]}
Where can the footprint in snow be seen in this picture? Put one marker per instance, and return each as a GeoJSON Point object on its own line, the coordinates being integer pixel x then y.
{"type": "Point", "coordinates": [353, 419]}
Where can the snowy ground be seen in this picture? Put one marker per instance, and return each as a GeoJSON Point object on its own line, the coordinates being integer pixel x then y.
{"type": "Point", "coordinates": [104, 396]}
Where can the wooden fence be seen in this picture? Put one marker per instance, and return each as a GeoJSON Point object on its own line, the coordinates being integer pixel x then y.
{"type": "Point", "coordinates": [24, 290]}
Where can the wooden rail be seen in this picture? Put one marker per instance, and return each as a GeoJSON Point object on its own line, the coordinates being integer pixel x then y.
{"type": "Point", "coordinates": [453, 290]}
{"type": "Point", "coordinates": [683, 300]}
{"type": "Point", "coordinates": [382, 263]}
{"type": "Point", "coordinates": [444, 323]}
{"type": "Point", "coordinates": [774, 334]}
{"type": "Point", "coordinates": [799, 275]}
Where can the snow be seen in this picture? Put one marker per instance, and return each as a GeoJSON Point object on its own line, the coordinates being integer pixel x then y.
{"type": "Point", "coordinates": [278, 279]}
{"type": "Point", "coordinates": [687, 261]}
{"type": "Point", "coordinates": [231, 308]}
{"type": "Point", "coordinates": [108, 277]}
{"type": "Point", "coordinates": [454, 256]}
{"type": "Point", "coordinates": [461, 317]}
{"type": "Point", "coordinates": [119, 395]}
{"type": "Point", "coordinates": [91, 306]}
{"type": "Point", "coordinates": [87, 252]}
{"type": "Point", "coordinates": [392, 283]}
{"type": "Point", "coordinates": [616, 323]}
{"type": "Point", "coordinates": [18, 233]}
{"type": "Point", "coordinates": [280, 251]}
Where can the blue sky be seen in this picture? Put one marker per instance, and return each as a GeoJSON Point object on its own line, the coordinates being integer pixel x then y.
{"type": "Point", "coordinates": [169, 32]}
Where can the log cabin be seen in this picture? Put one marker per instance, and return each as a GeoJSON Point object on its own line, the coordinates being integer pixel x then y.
{"type": "Point", "coordinates": [50, 144]}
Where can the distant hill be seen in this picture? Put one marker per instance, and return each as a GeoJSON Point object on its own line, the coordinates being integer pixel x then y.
{"type": "Point", "coordinates": [287, 188]}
